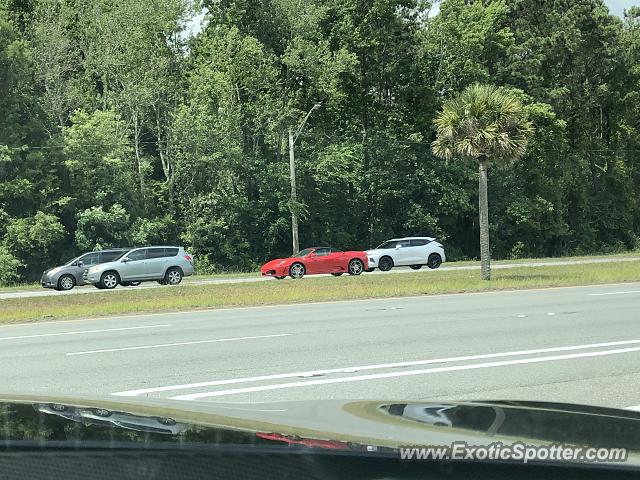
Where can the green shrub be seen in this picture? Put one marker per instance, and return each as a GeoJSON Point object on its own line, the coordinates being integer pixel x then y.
{"type": "Point", "coordinates": [10, 265]}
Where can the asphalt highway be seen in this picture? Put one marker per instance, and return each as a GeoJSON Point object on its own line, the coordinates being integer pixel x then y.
{"type": "Point", "coordinates": [576, 344]}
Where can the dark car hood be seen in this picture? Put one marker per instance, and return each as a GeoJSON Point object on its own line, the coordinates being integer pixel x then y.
{"type": "Point", "coordinates": [376, 427]}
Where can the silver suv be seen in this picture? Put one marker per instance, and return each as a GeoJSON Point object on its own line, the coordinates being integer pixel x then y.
{"type": "Point", "coordinates": [67, 276]}
{"type": "Point", "coordinates": [166, 265]}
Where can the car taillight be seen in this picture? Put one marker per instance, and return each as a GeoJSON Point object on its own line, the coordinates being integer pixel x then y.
{"type": "Point", "coordinates": [188, 258]}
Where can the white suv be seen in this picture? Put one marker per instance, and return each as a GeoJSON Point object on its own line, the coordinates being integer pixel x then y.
{"type": "Point", "coordinates": [411, 252]}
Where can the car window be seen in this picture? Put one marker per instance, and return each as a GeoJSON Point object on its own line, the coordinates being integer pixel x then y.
{"type": "Point", "coordinates": [90, 259]}
{"type": "Point", "coordinates": [156, 253]}
{"type": "Point", "coordinates": [72, 261]}
{"type": "Point", "coordinates": [121, 255]}
{"type": "Point", "coordinates": [335, 250]}
{"type": "Point", "coordinates": [322, 252]}
{"type": "Point", "coordinates": [170, 252]}
{"type": "Point", "coordinates": [110, 256]}
{"type": "Point", "coordinates": [303, 253]}
{"type": "Point", "coordinates": [137, 254]}
{"type": "Point", "coordinates": [419, 242]}
{"type": "Point", "coordinates": [404, 243]}
{"type": "Point", "coordinates": [388, 244]}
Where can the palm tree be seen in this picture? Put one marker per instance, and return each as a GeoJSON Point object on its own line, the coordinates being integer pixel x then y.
{"type": "Point", "coordinates": [483, 123]}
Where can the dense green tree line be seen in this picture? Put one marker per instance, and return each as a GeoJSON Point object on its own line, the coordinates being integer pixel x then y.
{"type": "Point", "coordinates": [118, 128]}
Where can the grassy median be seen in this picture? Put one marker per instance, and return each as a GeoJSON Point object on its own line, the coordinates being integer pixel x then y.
{"type": "Point", "coordinates": [309, 289]}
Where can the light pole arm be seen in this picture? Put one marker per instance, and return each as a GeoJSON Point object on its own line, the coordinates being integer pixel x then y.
{"type": "Point", "coordinates": [304, 121]}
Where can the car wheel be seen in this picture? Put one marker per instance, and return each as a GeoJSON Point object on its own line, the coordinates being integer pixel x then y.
{"type": "Point", "coordinates": [98, 286]}
{"type": "Point", "coordinates": [416, 267]}
{"type": "Point", "coordinates": [385, 264]}
{"type": "Point", "coordinates": [109, 280]}
{"type": "Point", "coordinates": [279, 278]}
{"type": "Point", "coordinates": [356, 267]}
{"type": "Point", "coordinates": [434, 261]}
{"type": "Point", "coordinates": [337, 274]}
{"type": "Point", "coordinates": [369, 270]}
{"type": "Point", "coordinates": [101, 412]}
{"type": "Point", "coordinates": [173, 276]}
{"type": "Point", "coordinates": [297, 270]}
{"type": "Point", "coordinates": [66, 282]}
{"type": "Point", "coordinates": [166, 421]}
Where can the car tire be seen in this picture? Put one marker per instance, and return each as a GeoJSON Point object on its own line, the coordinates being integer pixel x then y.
{"type": "Point", "coordinates": [416, 267]}
{"type": "Point", "coordinates": [101, 412]}
{"type": "Point", "coordinates": [58, 407]}
{"type": "Point", "coordinates": [337, 274]}
{"type": "Point", "coordinates": [385, 264]}
{"type": "Point", "coordinates": [173, 276]}
{"type": "Point", "coordinates": [98, 286]}
{"type": "Point", "coordinates": [166, 421]}
{"type": "Point", "coordinates": [434, 261]}
{"type": "Point", "coordinates": [109, 280]}
{"type": "Point", "coordinates": [369, 270]}
{"type": "Point", "coordinates": [65, 283]}
{"type": "Point", "coordinates": [355, 267]}
{"type": "Point", "coordinates": [162, 282]}
{"type": "Point", "coordinates": [297, 270]}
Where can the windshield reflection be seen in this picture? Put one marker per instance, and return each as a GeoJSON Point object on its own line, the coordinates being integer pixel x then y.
{"type": "Point", "coordinates": [302, 253]}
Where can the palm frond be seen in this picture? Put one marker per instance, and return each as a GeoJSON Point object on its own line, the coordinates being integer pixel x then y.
{"type": "Point", "coordinates": [482, 121]}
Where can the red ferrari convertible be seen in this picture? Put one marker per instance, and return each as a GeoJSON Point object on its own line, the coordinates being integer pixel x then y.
{"type": "Point", "coordinates": [316, 260]}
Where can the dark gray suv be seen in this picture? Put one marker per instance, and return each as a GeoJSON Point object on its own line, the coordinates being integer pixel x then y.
{"type": "Point", "coordinates": [71, 273]}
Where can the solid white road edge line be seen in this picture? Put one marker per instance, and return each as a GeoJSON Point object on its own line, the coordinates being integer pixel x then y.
{"type": "Point", "coordinates": [310, 373]}
{"type": "Point", "coordinates": [360, 378]}
{"type": "Point", "coordinates": [142, 347]}
{"type": "Point", "coordinates": [80, 332]}
{"type": "Point", "coordinates": [634, 407]}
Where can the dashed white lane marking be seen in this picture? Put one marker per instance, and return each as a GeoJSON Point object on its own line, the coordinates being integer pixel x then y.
{"type": "Point", "coordinates": [80, 332]}
{"type": "Point", "coordinates": [163, 345]}
{"type": "Point", "coordinates": [612, 293]}
{"type": "Point", "coordinates": [353, 369]}
{"type": "Point", "coordinates": [377, 376]}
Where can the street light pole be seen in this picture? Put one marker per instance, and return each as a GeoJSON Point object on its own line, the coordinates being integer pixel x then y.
{"type": "Point", "coordinates": [293, 136]}
{"type": "Point", "coordinates": [294, 194]}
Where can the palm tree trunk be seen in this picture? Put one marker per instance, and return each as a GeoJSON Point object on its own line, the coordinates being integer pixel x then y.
{"type": "Point", "coordinates": [483, 208]}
